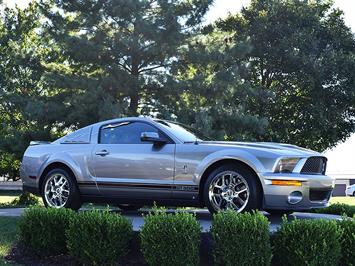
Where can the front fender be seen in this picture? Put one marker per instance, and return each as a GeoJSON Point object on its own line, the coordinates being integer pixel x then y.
{"type": "Point", "coordinates": [239, 155]}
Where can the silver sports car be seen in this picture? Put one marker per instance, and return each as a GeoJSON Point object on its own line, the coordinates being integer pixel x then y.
{"type": "Point", "coordinates": [138, 161]}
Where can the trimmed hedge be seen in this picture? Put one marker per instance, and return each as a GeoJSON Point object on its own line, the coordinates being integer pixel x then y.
{"type": "Point", "coordinates": [170, 239]}
{"type": "Point", "coordinates": [241, 239]}
{"type": "Point", "coordinates": [347, 241]}
{"type": "Point", "coordinates": [338, 209]}
{"type": "Point", "coordinates": [98, 237]}
{"type": "Point", "coordinates": [307, 242]}
{"type": "Point", "coordinates": [102, 238]}
{"type": "Point", "coordinates": [43, 230]}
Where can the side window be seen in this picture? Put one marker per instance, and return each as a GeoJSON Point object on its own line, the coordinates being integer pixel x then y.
{"type": "Point", "coordinates": [125, 133]}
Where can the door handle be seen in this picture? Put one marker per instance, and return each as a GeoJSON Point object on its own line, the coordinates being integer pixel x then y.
{"type": "Point", "coordinates": [102, 153]}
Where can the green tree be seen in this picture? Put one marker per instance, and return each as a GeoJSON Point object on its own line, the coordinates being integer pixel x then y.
{"type": "Point", "coordinates": [28, 110]}
{"type": "Point", "coordinates": [302, 56]}
{"type": "Point", "coordinates": [116, 55]}
{"type": "Point", "coordinates": [213, 94]}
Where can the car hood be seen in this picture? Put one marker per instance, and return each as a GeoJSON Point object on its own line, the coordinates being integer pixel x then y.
{"type": "Point", "coordinates": [277, 148]}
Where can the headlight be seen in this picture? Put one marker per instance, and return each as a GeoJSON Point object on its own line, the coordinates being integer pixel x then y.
{"type": "Point", "coordinates": [286, 165]}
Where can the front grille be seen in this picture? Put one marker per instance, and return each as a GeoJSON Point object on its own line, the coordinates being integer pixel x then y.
{"type": "Point", "coordinates": [315, 165]}
{"type": "Point", "coordinates": [319, 195]}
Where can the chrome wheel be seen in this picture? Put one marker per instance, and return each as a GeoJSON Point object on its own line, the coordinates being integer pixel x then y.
{"type": "Point", "coordinates": [229, 190]}
{"type": "Point", "coordinates": [56, 190]}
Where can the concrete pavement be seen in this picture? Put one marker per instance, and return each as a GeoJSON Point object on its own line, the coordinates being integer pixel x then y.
{"type": "Point", "coordinates": [11, 185]}
{"type": "Point", "coordinates": [202, 215]}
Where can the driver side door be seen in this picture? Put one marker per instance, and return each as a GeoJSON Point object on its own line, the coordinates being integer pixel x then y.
{"type": "Point", "coordinates": [126, 166]}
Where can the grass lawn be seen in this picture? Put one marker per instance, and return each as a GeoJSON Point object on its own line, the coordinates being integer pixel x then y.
{"type": "Point", "coordinates": [8, 196]}
{"type": "Point", "coordinates": [8, 231]}
{"type": "Point", "coordinates": [346, 200]}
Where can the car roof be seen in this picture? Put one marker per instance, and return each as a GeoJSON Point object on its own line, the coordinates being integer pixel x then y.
{"type": "Point", "coordinates": [115, 120]}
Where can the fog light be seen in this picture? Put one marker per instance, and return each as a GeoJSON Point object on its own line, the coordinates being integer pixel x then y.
{"type": "Point", "coordinates": [295, 197]}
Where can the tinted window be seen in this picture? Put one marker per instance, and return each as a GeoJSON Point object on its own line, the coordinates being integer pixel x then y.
{"type": "Point", "coordinates": [182, 132]}
{"type": "Point", "coordinates": [79, 136]}
{"type": "Point", "coordinates": [125, 133]}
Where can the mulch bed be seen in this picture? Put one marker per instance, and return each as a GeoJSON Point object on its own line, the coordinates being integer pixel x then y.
{"type": "Point", "coordinates": [22, 255]}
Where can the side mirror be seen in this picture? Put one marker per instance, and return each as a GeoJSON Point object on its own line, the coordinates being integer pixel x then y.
{"type": "Point", "coordinates": [152, 137]}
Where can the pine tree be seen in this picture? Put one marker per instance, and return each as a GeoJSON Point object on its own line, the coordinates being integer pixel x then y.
{"type": "Point", "coordinates": [214, 95]}
{"type": "Point", "coordinates": [116, 55]}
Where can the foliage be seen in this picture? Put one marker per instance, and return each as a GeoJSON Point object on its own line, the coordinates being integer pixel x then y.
{"type": "Point", "coordinates": [214, 95]}
{"type": "Point", "coordinates": [338, 209]}
{"type": "Point", "coordinates": [117, 54]}
{"type": "Point", "coordinates": [347, 241]}
{"type": "Point", "coordinates": [8, 231]}
{"type": "Point", "coordinates": [9, 166]}
{"type": "Point", "coordinates": [43, 230]}
{"type": "Point", "coordinates": [98, 237]}
{"type": "Point", "coordinates": [303, 61]}
{"type": "Point", "coordinates": [170, 239]}
{"type": "Point", "coordinates": [241, 239]}
{"type": "Point", "coordinates": [25, 199]}
{"type": "Point", "coordinates": [28, 109]}
{"type": "Point", "coordinates": [307, 242]}
{"type": "Point", "coordinates": [12, 199]}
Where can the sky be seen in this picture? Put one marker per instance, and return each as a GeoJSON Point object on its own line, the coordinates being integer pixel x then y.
{"type": "Point", "coordinates": [341, 159]}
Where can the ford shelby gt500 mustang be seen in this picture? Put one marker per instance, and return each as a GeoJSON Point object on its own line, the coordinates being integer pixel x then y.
{"type": "Point", "coordinates": [136, 161]}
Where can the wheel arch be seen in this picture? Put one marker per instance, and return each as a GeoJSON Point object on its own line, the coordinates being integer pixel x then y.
{"type": "Point", "coordinates": [219, 163]}
{"type": "Point", "coordinates": [55, 165]}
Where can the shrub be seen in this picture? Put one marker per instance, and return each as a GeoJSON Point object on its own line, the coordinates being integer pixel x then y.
{"type": "Point", "coordinates": [347, 241]}
{"type": "Point", "coordinates": [241, 239]}
{"type": "Point", "coordinates": [170, 239]}
{"type": "Point", "coordinates": [338, 209]}
{"type": "Point", "coordinates": [307, 242]}
{"type": "Point", "coordinates": [98, 237]}
{"type": "Point", "coordinates": [26, 199]}
{"type": "Point", "coordinates": [43, 230]}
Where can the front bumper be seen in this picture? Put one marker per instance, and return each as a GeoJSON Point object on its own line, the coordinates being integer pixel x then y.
{"type": "Point", "coordinates": [349, 192]}
{"type": "Point", "coordinates": [316, 191]}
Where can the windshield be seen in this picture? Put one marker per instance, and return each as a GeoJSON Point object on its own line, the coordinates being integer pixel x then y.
{"type": "Point", "coordinates": [182, 132]}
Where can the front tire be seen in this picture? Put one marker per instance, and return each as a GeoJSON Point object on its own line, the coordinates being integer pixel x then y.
{"type": "Point", "coordinates": [232, 186]}
{"type": "Point", "coordinates": [59, 190]}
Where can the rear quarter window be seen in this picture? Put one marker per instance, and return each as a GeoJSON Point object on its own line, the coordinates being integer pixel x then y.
{"type": "Point", "coordinates": [82, 135]}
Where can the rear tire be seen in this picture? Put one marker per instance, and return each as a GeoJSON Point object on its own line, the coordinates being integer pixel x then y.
{"type": "Point", "coordinates": [242, 186]}
{"type": "Point", "coordinates": [59, 190]}
{"type": "Point", "coordinates": [129, 207]}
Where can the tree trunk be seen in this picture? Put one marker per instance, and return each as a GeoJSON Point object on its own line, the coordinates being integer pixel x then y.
{"type": "Point", "coordinates": [134, 92]}
{"type": "Point", "coordinates": [133, 106]}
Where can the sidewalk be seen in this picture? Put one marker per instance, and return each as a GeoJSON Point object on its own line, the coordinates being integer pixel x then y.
{"type": "Point", "coordinates": [11, 185]}
{"type": "Point", "coordinates": [11, 212]}
{"type": "Point", "coordinates": [203, 216]}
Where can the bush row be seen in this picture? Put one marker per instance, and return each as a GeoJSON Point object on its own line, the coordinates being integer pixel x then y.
{"type": "Point", "coordinates": [338, 209]}
{"type": "Point", "coordinates": [92, 238]}
{"type": "Point", "coordinates": [102, 238]}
